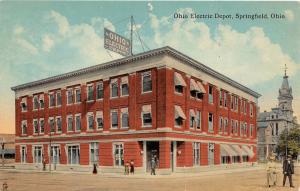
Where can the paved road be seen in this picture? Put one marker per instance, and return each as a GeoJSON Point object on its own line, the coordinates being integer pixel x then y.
{"type": "Point", "coordinates": [237, 180]}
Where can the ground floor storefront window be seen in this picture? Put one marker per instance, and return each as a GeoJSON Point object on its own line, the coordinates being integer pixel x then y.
{"type": "Point", "coordinates": [196, 154]}
{"type": "Point", "coordinates": [225, 159]}
{"type": "Point", "coordinates": [94, 153]}
{"type": "Point", "coordinates": [37, 154]}
{"type": "Point", "coordinates": [245, 158]}
{"type": "Point", "coordinates": [73, 154]}
{"type": "Point", "coordinates": [55, 153]}
{"type": "Point", "coordinates": [236, 159]}
{"type": "Point", "coordinates": [118, 154]}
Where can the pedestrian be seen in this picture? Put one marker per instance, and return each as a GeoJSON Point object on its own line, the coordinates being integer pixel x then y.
{"type": "Point", "coordinates": [153, 166]}
{"type": "Point", "coordinates": [126, 168]}
{"type": "Point", "coordinates": [271, 171]}
{"type": "Point", "coordinates": [44, 164]}
{"type": "Point", "coordinates": [131, 167]}
{"type": "Point", "coordinates": [288, 170]}
{"type": "Point", "coordinates": [95, 169]}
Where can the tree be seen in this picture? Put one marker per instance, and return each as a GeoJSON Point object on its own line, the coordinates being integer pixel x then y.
{"type": "Point", "coordinates": [291, 139]}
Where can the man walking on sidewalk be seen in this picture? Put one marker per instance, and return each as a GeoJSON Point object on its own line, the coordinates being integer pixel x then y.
{"type": "Point", "coordinates": [288, 170]}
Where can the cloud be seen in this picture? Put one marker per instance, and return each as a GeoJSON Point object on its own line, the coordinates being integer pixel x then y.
{"type": "Point", "coordinates": [249, 57]}
{"type": "Point", "coordinates": [150, 7]}
{"type": "Point", "coordinates": [48, 43]}
{"type": "Point", "coordinates": [62, 22]}
{"type": "Point", "coordinates": [27, 46]}
{"type": "Point", "coordinates": [18, 30]}
{"type": "Point", "coordinates": [289, 15]}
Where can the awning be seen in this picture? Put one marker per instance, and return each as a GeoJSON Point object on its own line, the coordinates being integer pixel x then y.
{"type": "Point", "coordinates": [194, 86]}
{"type": "Point", "coordinates": [146, 108]}
{"type": "Point", "coordinates": [201, 88]}
{"type": "Point", "coordinates": [124, 80]}
{"type": "Point", "coordinates": [179, 112]}
{"type": "Point", "coordinates": [192, 113]}
{"type": "Point", "coordinates": [249, 151]}
{"type": "Point", "coordinates": [226, 150]}
{"type": "Point", "coordinates": [178, 80]}
{"type": "Point", "coordinates": [239, 150]}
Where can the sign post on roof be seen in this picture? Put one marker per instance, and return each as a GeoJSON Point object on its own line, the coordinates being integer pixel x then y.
{"type": "Point", "coordinates": [116, 43]}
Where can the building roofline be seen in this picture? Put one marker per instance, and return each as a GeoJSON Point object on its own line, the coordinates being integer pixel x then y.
{"type": "Point", "coordinates": [163, 50]}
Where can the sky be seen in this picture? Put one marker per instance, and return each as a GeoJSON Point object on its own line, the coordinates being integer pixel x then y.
{"type": "Point", "coordinates": [43, 39]}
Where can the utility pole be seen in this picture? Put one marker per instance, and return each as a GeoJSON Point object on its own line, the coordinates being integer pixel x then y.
{"type": "Point", "coordinates": [131, 32]}
{"type": "Point", "coordinates": [50, 150]}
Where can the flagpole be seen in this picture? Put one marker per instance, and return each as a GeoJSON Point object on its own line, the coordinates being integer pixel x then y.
{"type": "Point", "coordinates": [131, 31]}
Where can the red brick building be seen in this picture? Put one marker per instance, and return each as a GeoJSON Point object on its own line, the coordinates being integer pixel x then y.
{"type": "Point", "coordinates": [159, 104]}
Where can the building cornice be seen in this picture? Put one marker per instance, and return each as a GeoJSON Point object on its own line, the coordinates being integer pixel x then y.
{"type": "Point", "coordinates": [164, 50]}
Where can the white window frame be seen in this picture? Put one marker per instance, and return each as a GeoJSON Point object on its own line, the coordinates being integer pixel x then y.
{"type": "Point", "coordinates": [236, 126]}
{"type": "Point", "coordinates": [251, 130]}
{"type": "Point", "coordinates": [192, 119]}
{"type": "Point", "coordinates": [70, 116]}
{"type": "Point", "coordinates": [111, 122]}
{"type": "Point", "coordinates": [211, 95]}
{"type": "Point", "coordinates": [225, 99]}
{"type": "Point", "coordinates": [114, 81]}
{"type": "Point", "coordinates": [49, 96]}
{"type": "Point", "coordinates": [122, 83]}
{"type": "Point", "coordinates": [41, 98]}
{"type": "Point", "coordinates": [23, 157]}
{"type": "Point", "coordinates": [99, 115]}
{"type": "Point", "coordinates": [56, 121]}
{"type": "Point", "coordinates": [142, 117]}
{"type": "Point", "coordinates": [54, 147]}
{"type": "Point", "coordinates": [75, 122]}
{"type": "Point", "coordinates": [67, 95]}
{"type": "Point", "coordinates": [78, 88]}
{"type": "Point", "coordinates": [211, 130]}
{"type": "Point", "coordinates": [121, 118]}
{"type": "Point", "coordinates": [87, 92]}
{"type": "Point", "coordinates": [24, 101]}
{"type": "Point", "coordinates": [148, 73]}
{"type": "Point", "coordinates": [221, 125]}
{"type": "Point", "coordinates": [196, 153]}
{"type": "Point", "coordinates": [120, 157]}
{"type": "Point", "coordinates": [89, 114]}
{"type": "Point", "coordinates": [37, 122]}
{"type": "Point", "coordinates": [34, 156]}
{"type": "Point", "coordinates": [24, 122]}
{"type": "Point", "coordinates": [251, 110]}
{"type": "Point", "coordinates": [49, 124]}
{"type": "Point", "coordinates": [200, 120]}
{"type": "Point", "coordinates": [41, 119]}
{"type": "Point", "coordinates": [94, 146]}
{"type": "Point", "coordinates": [38, 104]}
{"type": "Point", "coordinates": [56, 98]}
{"type": "Point", "coordinates": [67, 153]}
{"type": "Point", "coordinates": [99, 84]}
{"type": "Point", "coordinates": [225, 121]}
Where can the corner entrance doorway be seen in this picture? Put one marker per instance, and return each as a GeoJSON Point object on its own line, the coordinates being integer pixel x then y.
{"type": "Point", "coordinates": [152, 152]}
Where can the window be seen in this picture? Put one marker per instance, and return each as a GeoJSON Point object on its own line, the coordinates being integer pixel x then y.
{"type": "Point", "coordinates": [70, 123]}
{"type": "Point", "coordinates": [77, 95]}
{"type": "Point", "coordinates": [178, 122]}
{"type": "Point", "coordinates": [51, 99]}
{"type": "Point", "coordinates": [58, 124]}
{"type": "Point", "coordinates": [69, 96]}
{"type": "Point", "coordinates": [114, 88]}
{"type": "Point", "coordinates": [225, 125]}
{"type": "Point", "coordinates": [251, 130]}
{"type": "Point", "coordinates": [90, 92]}
{"type": "Point", "coordinates": [118, 155]}
{"type": "Point", "coordinates": [241, 129]}
{"type": "Point", "coordinates": [245, 108]}
{"type": "Point", "coordinates": [54, 154]}
{"type": "Point", "coordinates": [78, 122]}
{"type": "Point", "coordinates": [124, 118]}
{"type": "Point", "coordinates": [146, 116]}
{"type": "Point", "coordinates": [90, 121]}
{"type": "Point", "coordinates": [51, 124]}
{"type": "Point", "coordinates": [114, 119]}
{"type": "Point", "coordinates": [35, 126]}
{"type": "Point", "coordinates": [99, 89]}
{"type": "Point", "coordinates": [179, 89]}
{"type": "Point", "coordinates": [245, 130]}
{"type": "Point", "coordinates": [124, 86]}
{"type": "Point", "coordinates": [236, 127]}
{"type": "Point", "coordinates": [73, 154]}
{"type": "Point", "coordinates": [23, 154]}
{"type": "Point", "coordinates": [251, 110]}
{"type": "Point", "coordinates": [179, 83]}
{"type": "Point", "coordinates": [58, 98]}
{"type": "Point", "coordinates": [236, 103]}
{"type": "Point", "coordinates": [24, 104]}
{"type": "Point", "coordinates": [198, 120]}
{"type": "Point", "coordinates": [225, 99]}
{"type": "Point", "coordinates": [210, 94]}
{"type": "Point", "coordinates": [220, 124]}
{"type": "Point", "coordinates": [242, 106]}
{"type": "Point", "coordinates": [221, 98]}
{"type": "Point", "coordinates": [146, 82]}
{"type": "Point", "coordinates": [232, 102]}
{"type": "Point", "coordinates": [42, 126]}
{"type": "Point", "coordinates": [179, 116]}
{"type": "Point", "coordinates": [37, 154]}
{"type": "Point", "coordinates": [211, 153]}
{"type": "Point", "coordinates": [192, 118]}
{"type": "Point", "coordinates": [99, 119]}
{"type": "Point", "coordinates": [276, 129]}
{"type": "Point", "coordinates": [196, 153]}
{"type": "Point", "coordinates": [232, 126]}
{"type": "Point", "coordinates": [210, 122]}
{"type": "Point", "coordinates": [35, 102]}
{"type": "Point", "coordinates": [42, 103]}
{"type": "Point", "coordinates": [94, 153]}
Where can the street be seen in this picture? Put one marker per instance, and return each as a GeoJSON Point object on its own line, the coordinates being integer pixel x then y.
{"type": "Point", "coordinates": [235, 180]}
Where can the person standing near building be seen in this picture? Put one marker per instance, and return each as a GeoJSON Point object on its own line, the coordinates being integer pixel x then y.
{"type": "Point", "coordinates": [131, 167]}
{"type": "Point", "coordinates": [288, 170]}
{"type": "Point", "coordinates": [126, 172]}
{"type": "Point", "coordinates": [271, 171]}
{"type": "Point", "coordinates": [153, 166]}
